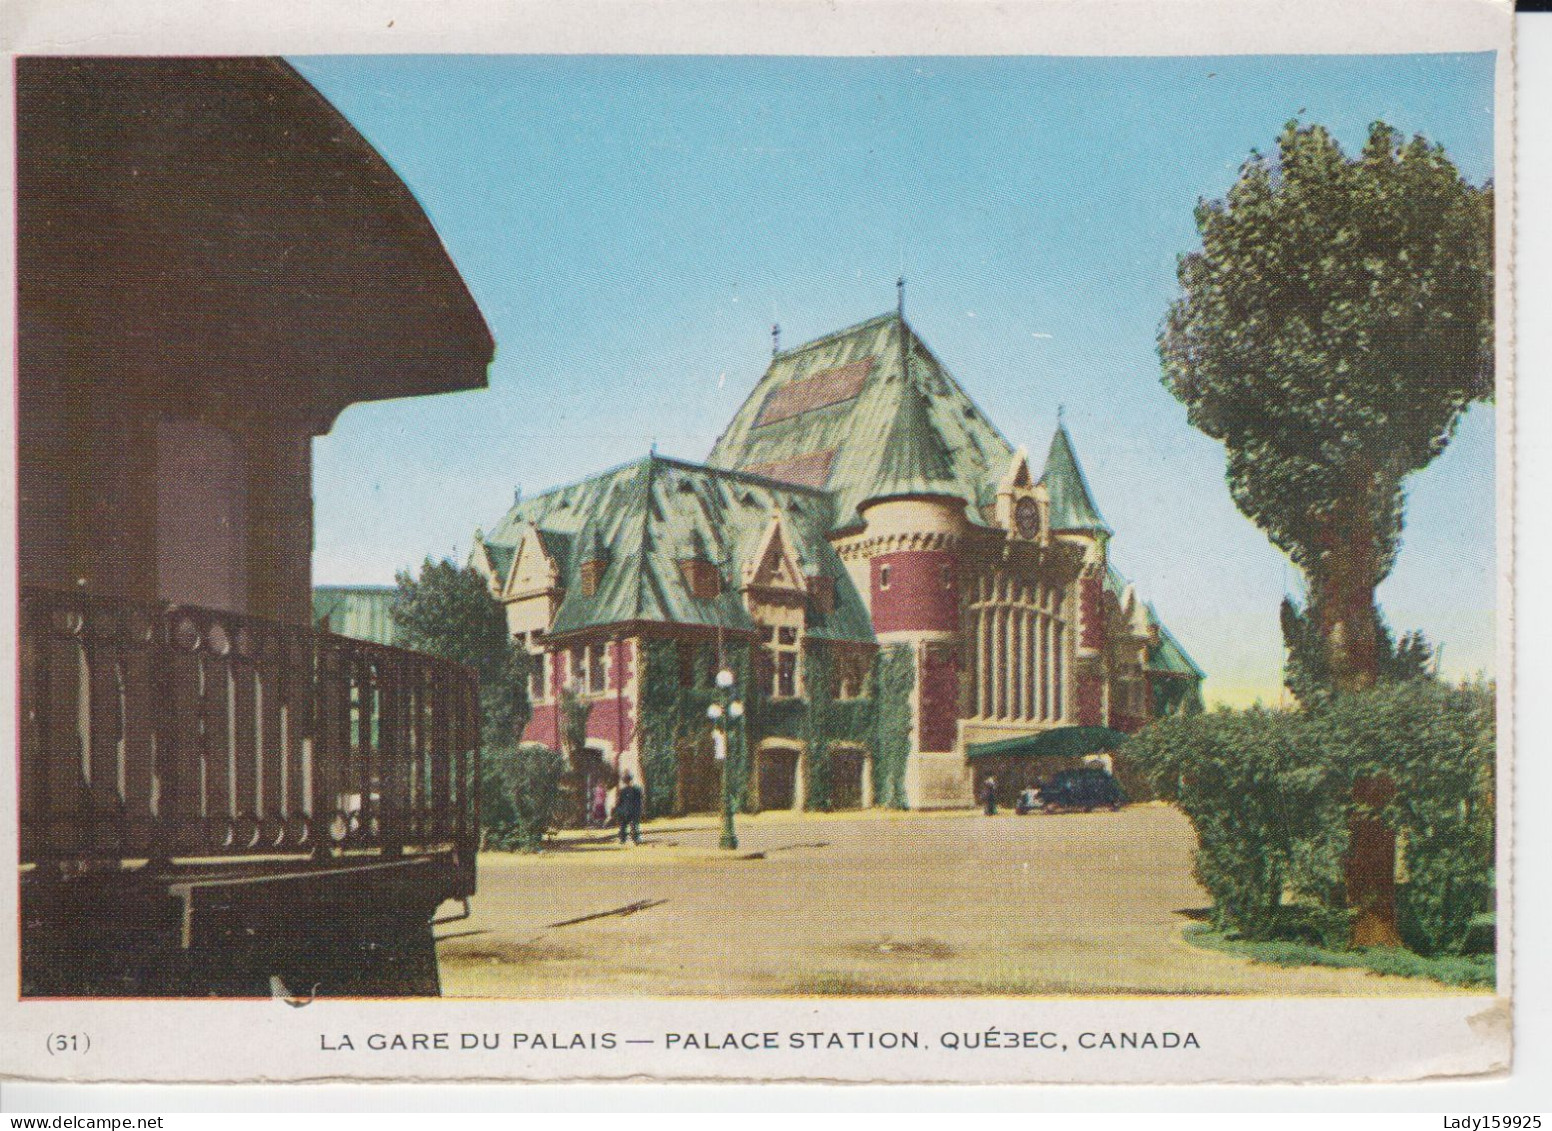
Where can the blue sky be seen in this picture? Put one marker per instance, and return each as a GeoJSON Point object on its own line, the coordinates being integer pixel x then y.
{"type": "Point", "coordinates": [631, 226]}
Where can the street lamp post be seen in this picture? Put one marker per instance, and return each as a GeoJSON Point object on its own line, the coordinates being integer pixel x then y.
{"type": "Point", "coordinates": [722, 715]}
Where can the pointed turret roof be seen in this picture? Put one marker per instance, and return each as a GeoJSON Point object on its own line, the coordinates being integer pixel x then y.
{"type": "Point", "coordinates": [1072, 507]}
{"type": "Point", "coordinates": [826, 413]}
{"type": "Point", "coordinates": [912, 460]}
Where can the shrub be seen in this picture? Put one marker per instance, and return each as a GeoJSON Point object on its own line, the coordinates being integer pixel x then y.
{"type": "Point", "coordinates": [1268, 821]}
{"type": "Point", "coordinates": [519, 788]}
{"type": "Point", "coordinates": [1437, 744]}
{"type": "Point", "coordinates": [1270, 794]}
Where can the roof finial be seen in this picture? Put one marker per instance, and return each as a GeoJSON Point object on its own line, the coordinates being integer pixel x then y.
{"type": "Point", "coordinates": [1061, 414]}
{"type": "Point", "coordinates": [900, 299]}
{"type": "Point", "coordinates": [652, 452]}
{"type": "Point", "coordinates": [517, 494]}
{"type": "Point", "coordinates": [775, 338]}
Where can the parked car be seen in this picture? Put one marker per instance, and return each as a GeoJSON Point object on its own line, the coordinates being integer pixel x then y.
{"type": "Point", "coordinates": [1088, 789]}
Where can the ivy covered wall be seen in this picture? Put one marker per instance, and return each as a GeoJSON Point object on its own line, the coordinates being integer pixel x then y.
{"type": "Point", "coordinates": [894, 679]}
{"type": "Point", "coordinates": [673, 720]}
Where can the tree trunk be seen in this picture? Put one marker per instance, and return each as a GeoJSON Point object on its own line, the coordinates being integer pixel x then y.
{"type": "Point", "coordinates": [1371, 865]}
{"type": "Point", "coordinates": [1344, 616]}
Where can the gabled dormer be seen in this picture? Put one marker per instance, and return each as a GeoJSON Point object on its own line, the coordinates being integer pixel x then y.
{"type": "Point", "coordinates": [490, 562]}
{"type": "Point", "coordinates": [773, 574]}
{"type": "Point", "coordinates": [534, 585]}
{"type": "Point", "coordinates": [1023, 506]}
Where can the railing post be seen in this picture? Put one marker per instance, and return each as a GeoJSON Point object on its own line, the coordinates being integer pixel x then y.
{"type": "Point", "coordinates": [160, 732]}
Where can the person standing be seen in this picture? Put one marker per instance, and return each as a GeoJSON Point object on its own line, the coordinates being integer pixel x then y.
{"type": "Point", "coordinates": [598, 814]}
{"type": "Point", "coordinates": [989, 792]}
{"type": "Point", "coordinates": [627, 809]}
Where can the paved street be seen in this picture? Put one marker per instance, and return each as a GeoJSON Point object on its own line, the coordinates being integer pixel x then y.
{"type": "Point", "coordinates": [863, 903]}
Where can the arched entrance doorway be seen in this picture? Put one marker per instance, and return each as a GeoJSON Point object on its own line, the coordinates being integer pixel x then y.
{"type": "Point", "coordinates": [699, 785]}
{"type": "Point", "coordinates": [778, 777]}
{"type": "Point", "coordinates": [848, 777]}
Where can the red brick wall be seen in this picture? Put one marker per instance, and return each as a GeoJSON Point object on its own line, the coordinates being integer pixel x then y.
{"type": "Point", "coordinates": [613, 717]}
{"type": "Point", "coordinates": [544, 726]}
{"type": "Point", "coordinates": [1091, 613]}
{"type": "Point", "coordinates": [917, 599]}
{"type": "Point", "coordinates": [1089, 700]}
{"type": "Point", "coordinates": [1126, 724]}
{"type": "Point", "coordinates": [939, 699]}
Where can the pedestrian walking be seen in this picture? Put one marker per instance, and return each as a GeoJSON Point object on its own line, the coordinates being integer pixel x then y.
{"type": "Point", "coordinates": [627, 809]}
{"type": "Point", "coordinates": [598, 815]}
{"type": "Point", "coordinates": [989, 795]}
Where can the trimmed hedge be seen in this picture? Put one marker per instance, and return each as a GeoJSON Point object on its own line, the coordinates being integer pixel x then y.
{"type": "Point", "coordinates": [1270, 793]}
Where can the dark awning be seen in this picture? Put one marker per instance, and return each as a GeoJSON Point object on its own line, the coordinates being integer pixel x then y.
{"type": "Point", "coordinates": [1063, 742]}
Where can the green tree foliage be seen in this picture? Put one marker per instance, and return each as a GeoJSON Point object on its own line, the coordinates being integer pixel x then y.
{"type": "Point", "coordinates": [1437, 744]}
{"type": "Point", "coordinates": [1411, 657]}
{"type": "Point", "coordinates": [1269, 821]}
{"type": "Point", "coordinates": [448, 611]}
{"type": "Point", "coordinates": [1307, 674]}
{"type": "Point", "coordinates": [1270, 792]}
{"type": "Point", "coordinates": [574, 713]}
{"type": "Point", "coordinates": [1331, 330]}
{"type": "Point", "coordinates": [519, 790]}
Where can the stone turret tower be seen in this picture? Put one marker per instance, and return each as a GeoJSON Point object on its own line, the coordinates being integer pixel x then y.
{"type": "Point", "coordinates": [1075, 519]}
{"type": "Point", "coordinates": [915, 523]}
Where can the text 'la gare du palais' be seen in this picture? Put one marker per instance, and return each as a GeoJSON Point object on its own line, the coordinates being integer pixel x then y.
{"type": "Point", "coordinates": [764, 1040]}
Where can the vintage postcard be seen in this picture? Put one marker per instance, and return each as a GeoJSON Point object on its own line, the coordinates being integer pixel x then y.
{"type": "Point", "coordinates": [917, 542]}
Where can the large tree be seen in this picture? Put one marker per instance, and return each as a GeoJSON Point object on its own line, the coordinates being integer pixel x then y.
{"type": "Point", "coordinates": [448, 611]}
{"type": "Point", "coordinates": [1331, 331]}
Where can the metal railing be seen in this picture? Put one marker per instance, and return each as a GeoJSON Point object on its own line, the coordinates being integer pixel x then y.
{"type": "Point", "coordinates": [156, 732]}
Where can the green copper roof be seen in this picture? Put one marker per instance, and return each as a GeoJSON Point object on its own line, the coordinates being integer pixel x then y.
{"type": "Point", "coordinates": [1168, 657]}
{"type": "Point", "coordinates": [650, 514]}
{"type": "Point", "coordinates": [362, 612]}
{"type": "Point", "coordinates": [824, 415]}
{"type": "Point", "coordinates": [1072, 507]}
{"type": "Point", "coordinates": [912, 460]}
{"type": "Point", "coordinates": [1115, 583]}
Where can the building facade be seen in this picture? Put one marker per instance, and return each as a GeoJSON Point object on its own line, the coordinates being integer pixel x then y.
{"type": "Point", "coordinates": [894, 586]}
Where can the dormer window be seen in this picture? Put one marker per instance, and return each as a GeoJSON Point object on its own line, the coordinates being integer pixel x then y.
{"type": "Point", "coordinates": [701, 578]}
{"type": "Point", "coordinates": [592, 575]}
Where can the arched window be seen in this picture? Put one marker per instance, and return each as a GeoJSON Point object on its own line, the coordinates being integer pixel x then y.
{"type": "Point", "coordinates": [1017, 668]}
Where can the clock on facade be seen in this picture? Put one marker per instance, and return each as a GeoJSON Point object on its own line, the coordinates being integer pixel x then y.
{"type": "Point", "coordinates": [1026, 517]}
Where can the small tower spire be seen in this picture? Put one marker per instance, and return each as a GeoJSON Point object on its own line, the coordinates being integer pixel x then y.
{"type": "Point", "coordinates": [900, 296]}
{"type": "Point", "coordinates": [775, 338]}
